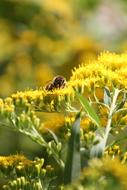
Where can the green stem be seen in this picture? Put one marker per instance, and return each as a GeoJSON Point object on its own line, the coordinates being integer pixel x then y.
{"type": "Point", "coordinates": [108, 126]}
{"type": "Point", "coordinates": [39, 139]}
{"type": "Point", "coordinates": [36, 137]}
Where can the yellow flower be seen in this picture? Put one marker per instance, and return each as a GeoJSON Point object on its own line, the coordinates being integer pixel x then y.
{"type": "Point", "coordinates": [91, 76]}
{"type": "Point", "coordinates": [69, 120]}
{"type": "Point", "coordinates": [113, 61]}
{"type": "Point", "coordinates": [7, 161]}
{"type": "Point", "coordinates": [107, 70]}
{"type": "Point", "coordinates": [117, 170]}
{"type": "Point", "coordinates": [85, 124]}
{"type": "Point", "coordinates": [113, 151]}
{"type": "Point", "coordinates": [43, 100]}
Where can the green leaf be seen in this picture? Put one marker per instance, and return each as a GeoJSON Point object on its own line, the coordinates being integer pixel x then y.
{"type": "Point", "coordinates": [107, 96]}
{"type": "Point", "coordinates": [73, 161]}
{"type": "Point", "coordinates": [88, 108]}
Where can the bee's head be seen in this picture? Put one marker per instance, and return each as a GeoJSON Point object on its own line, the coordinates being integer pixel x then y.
{"type": "Point", "coordinates": [59, 82]}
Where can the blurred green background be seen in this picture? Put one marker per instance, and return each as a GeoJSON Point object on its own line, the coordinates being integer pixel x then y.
{"type": "Point", "coordinates": [43, 38]}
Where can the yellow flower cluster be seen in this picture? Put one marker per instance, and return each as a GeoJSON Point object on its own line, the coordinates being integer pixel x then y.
{"type": "Point", "coordinates": [24, 173]}
{"type": "Point", "coordinates": [97, 73]}
{"type": "Point", "coordinates": [113, 151]}
{"type": "Point", "coordinates": [6, 106]}
{"type": "Point", "coordinates": [43, 100]}
{"type": "Point", "coordinates": [59, 123]}
{"type": "Point", "coordinates": [107, 70]}
{"type": "Point", "coordinates": [102, 174]}
{"type": "Point", "coordinates": [117, 170]}
{"type": "Point", "coordinates": [11, 161]}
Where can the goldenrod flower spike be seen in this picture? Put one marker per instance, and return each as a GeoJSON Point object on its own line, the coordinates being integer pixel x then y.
{"type": "Point", "coordinates": [7, 161]}
{"type": "Point", "coordinates": [107, 70]}
{"type": "Point", "coordinates": [25, 174]}
{"type": "Point", "coordinates": [43, 100]}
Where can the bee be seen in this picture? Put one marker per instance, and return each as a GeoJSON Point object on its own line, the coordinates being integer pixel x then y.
{"type": "Point", "coordinates": [57, 83]}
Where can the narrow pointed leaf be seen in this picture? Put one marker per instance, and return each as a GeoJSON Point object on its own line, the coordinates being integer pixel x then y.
{"type": "Point", "coordinates": [73, 161]}
{"type": "Point", "coordinates": [107, 96]}
{"type": "Point", "coordinates": [88, 108]}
